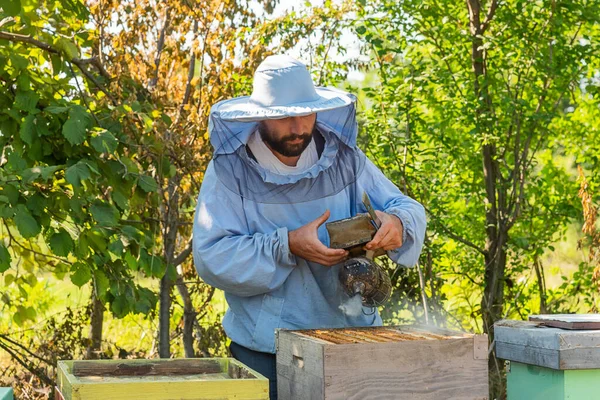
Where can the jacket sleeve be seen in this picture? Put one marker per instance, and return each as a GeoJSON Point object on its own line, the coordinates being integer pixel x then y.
{"type": "Point", "coordinates": [385, 196]}
{"type": "Point", "coordinates": [229, 257]}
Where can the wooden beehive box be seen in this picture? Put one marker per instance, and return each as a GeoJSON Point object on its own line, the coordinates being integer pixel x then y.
{"type": "Point", "coordinates": [549, 363]}
{"type": "Point", "coordinates": [403, 362]}
{"type": "Point", "coordinates": [192, 378]}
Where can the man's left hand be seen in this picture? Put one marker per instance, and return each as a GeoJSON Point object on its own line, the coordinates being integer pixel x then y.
{"type": "Point", "coordinates": [389, 235]}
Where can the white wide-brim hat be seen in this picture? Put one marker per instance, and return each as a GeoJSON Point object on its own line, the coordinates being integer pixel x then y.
{"type": "Point", "coordinates": [282, 88]}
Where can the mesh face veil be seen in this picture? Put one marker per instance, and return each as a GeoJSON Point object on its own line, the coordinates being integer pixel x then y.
{"type": "Point", "coordinates": [338, 166]}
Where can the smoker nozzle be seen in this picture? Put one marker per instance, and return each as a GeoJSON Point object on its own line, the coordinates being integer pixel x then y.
{"type": "Point", "coordinates": [358, 287]}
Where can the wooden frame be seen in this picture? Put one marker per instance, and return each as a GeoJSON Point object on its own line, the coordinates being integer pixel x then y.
{"type": "Point", "coordinates": [160, 379]}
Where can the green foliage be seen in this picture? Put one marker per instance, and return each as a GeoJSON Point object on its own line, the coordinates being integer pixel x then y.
{"type": "Point", "coordinates": [426, 125]}
{"type": "Point", "coordinates": [70, 164]}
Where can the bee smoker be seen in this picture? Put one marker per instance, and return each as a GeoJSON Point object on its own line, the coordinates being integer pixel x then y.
{"type": "Point", "coordinates": [360, 274]}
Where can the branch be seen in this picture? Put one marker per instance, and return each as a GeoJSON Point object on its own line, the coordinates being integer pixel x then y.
{"type": "Point", "coordinates": [30, 368]}
{"type": "Point", "coordinates": [159, 48]}
{"type": "Point", "coordinates": [489, 16]}
{"type": "Point", "coordinates": [12, 238]}
{"type": "Point", "coordinates": [321, 74]}
{"type": "Point", "coordinates": [5, 337]}
{"type": "Point", "coordinates": [183, 255]}
{"type": "Point", "coordinates": [188, 84]}
{"type": "Point", "coordinates": [455, 236]}
{"type": "Point", "coordinates": [80, 63]}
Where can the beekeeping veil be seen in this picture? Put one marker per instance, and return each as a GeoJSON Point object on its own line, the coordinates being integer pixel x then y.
{"type": "Point", "coordinates": [284, 88]}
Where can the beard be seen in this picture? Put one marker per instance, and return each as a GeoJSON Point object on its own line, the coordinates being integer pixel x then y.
{"type": "Point", "coordinates": [284, 145]}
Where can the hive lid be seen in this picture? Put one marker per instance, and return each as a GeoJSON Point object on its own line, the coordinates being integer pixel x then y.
{"type": "Point", "coordinates": [532, 342]}
{"type": "Point", "coordinates": [569, 321]}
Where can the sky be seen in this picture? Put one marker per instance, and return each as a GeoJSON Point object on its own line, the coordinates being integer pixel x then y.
{"type": "Point", "coordinates": [348, 38]}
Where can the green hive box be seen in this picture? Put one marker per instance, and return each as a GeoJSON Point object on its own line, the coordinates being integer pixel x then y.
{"type": "Point", "coordinates": [160, 379]}
{"type": "Point", "coordinates": [549, 363]}
{"type": "Point", "coordinates": [6, 394]}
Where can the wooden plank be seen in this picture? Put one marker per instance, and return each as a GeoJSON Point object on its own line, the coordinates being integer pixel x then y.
{"type": "Point", "coordinates": [237, 370]}
{"type": "Point", "coordinates": [428, 369]}
{"type": "Point", "coordinates": [242, 389]}
{"type": "Point", "coordinates": [57, 394]}
{"type": "Point", "coordinates": [539, 356]}
{"type": "Point", "coordinates": [535, 344]}
{"type": "Point", "coordinates": [481, 349]}
{"type": "Point", "coordinates": [146, 367]}
{"type": "Point", "coordinates": [569, 321]}
{"type": "Point", "coordinates": [62, 379]}
{"type": "Point", "coordinates": [299, 366]}
{"type": "Point", "coordinates": [525, 333]}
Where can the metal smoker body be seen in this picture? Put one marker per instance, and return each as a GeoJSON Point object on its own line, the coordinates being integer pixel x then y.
{"type": "Point", "coordinates": [360, 275]}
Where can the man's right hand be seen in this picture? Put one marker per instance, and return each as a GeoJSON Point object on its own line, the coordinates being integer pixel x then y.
{"type": "Point", "coordinates": [304, 242]}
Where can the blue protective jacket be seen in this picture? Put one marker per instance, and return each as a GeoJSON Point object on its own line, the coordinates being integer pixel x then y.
{"type": "Point", "coordinates": [243, 216]}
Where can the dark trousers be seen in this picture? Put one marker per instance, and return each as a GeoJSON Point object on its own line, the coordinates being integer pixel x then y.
{"type": "Point", "coordinates": [263, 363]}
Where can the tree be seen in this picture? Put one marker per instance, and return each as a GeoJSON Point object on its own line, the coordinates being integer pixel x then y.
{"type": "Point", "coordinates": [469, 99]}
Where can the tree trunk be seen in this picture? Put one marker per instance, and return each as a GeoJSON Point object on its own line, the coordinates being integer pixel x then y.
{"type": "Point", "coordinates": [492, 301]}
{"type": "Point", "coordinates": [164, 326]}
{"type": "Point", "coordinates": [189, 317]}
{"type": "Point", "coordinates": [171, 223]}
{"type": "Point", "coordinates": [96, 322]}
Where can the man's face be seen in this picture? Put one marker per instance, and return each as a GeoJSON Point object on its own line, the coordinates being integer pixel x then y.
{"type": "Point", "coordinates": [288, 136]}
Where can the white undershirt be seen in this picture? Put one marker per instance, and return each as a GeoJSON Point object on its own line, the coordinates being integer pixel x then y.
{"type": "Point", "coordinates": [267, 159]}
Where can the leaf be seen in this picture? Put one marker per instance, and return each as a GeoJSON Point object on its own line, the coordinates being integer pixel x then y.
{"type": "Point", "coordinates": [155, 267]}
{"type": "Point", "coordinates": [147, 183]}
{"type": "Point", "coordinates": [23, 314]}
{"type": "Point", "coordinates": [74, 130]}
{"type": "Point", "coordinates": [60, 270]}
{"type": "Point", "coordinates": [4, 258]}
{"type": "Point", "coordinates": [56, 109]}
{"type": "Point", "coordinates": [48, 172]}
{"type": "Point", "coordinates": [120, 199]}
{"type": "Point", "coordinates": [148, 123]}
{"type": "Point", "coordinates": [26, 224]}
{"type": "Point", "coordinates": [77, 173]}
{"type": "Point", "coordinates": [80, 274]}
{"type": "Point", "coordinates": [146, 300]}
{"type": "Point", "coordinates": [104, 142]}
{"type": "Point", "coordinates": [152, 265]}
{"type": "Point", "coordinates": [12, 193]}
{"type": "Point", "coordinates": [61, 243]}
{"type": "Point", "coordinates": [19, 62]}
{"type": "Point", "coordinates": [132, 233]}
{"type": "Point", "coordinates": [15, 162]}
{"type": "Point", "coordinates": [131, 261]}
{"type": "Point", "coordinates": [37, 204]}
{"type": "Point", "coordinates": [102, 283]}
{"type": "Point", "coordinates": [26, 100]}
{"type": "Point", "coordinates": [119, 307]}
{"type": "Point", "coordinates": [116, 248]}
{"type": "Point", "coordinates": [104, 213]}
{"type": "Point", "coordinates": [31, 174]}
{"type": "Point", "coordinates": [12, 8]}
{"type": "Point", "coordinates": [27, 131]}
{"type": "Point", "coordinates": [68, 47]}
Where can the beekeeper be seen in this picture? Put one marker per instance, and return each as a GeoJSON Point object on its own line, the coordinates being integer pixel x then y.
{"type": "Point", "coordinates": [285, 161]}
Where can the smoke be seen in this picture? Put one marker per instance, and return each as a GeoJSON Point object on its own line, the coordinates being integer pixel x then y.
{"type": "Point", "coordinates": [353, 306]}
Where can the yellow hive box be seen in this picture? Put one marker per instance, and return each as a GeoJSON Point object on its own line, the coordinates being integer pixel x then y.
{"type": "Point", "coordinates": [158, 379]}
